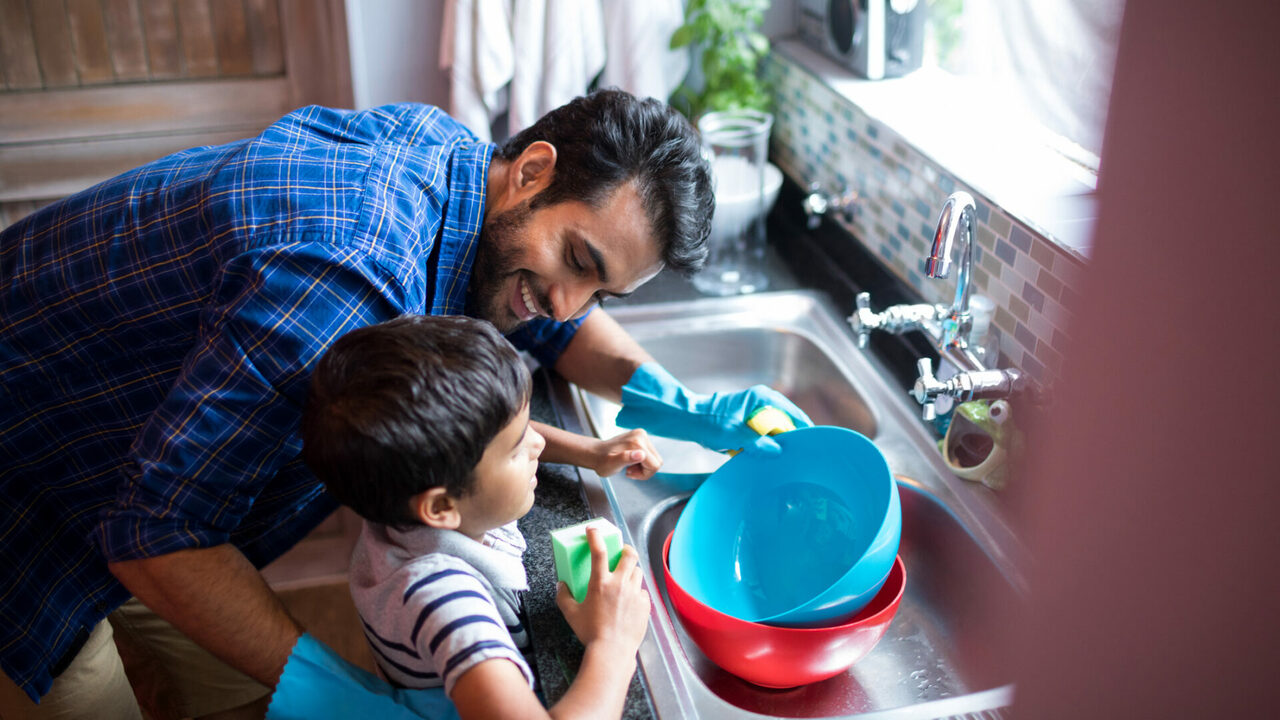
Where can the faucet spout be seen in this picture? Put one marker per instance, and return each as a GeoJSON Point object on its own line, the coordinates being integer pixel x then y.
{"type": "Point", "coordinates": [954, 238]}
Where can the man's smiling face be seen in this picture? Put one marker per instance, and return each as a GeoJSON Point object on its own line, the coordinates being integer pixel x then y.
{"type": "Point", "coordinates": [559, 260]}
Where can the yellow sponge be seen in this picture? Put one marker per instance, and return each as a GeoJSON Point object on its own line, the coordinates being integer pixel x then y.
{"type": "Point", "coordinates": [573, 554]}
{"type": "Point", "coordinates": [769, 420]}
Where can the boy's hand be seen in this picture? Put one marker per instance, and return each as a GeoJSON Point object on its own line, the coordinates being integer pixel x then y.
{"type": "Point", "coordinates": [616, 608]}
{"type": "Point", "coordinates": [632, 450]}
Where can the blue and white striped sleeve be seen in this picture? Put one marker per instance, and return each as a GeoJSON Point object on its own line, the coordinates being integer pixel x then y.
{"type": "Point", "coordinates": [458, 624]}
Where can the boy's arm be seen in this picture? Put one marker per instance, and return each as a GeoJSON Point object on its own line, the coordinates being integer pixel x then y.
{"type": "Point", "coordinates": [611, 622]}
{"type": "Point", "coordinates": [631, 450]}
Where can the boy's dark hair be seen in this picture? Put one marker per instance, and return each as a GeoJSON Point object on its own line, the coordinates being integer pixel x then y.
{"type": "Point", "coordinates": [610, 137]}
{"type": "Point", "coordinates": [406, 405]}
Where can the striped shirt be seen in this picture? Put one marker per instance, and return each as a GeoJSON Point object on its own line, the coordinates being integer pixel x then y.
{"type": "Point", "coordinates": [436, 603]}
{"type": "Point", "coordinates": [157, 333]}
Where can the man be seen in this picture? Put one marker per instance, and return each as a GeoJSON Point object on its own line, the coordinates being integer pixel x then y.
{"type": "Point", "coordinates": [157, 332]}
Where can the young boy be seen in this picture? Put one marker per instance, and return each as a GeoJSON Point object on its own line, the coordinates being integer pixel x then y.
{"type": "Point", "coordinates": [421, 425]}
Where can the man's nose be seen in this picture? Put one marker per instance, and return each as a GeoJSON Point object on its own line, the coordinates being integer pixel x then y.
{"type": "Point", "coordinates": [571, 299]}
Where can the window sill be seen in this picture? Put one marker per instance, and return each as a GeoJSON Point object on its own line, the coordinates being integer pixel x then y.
{"type": "Point", "coordinates": [973, 137]}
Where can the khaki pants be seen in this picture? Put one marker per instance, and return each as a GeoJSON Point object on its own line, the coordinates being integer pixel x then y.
{"type": "Point", "coordinates": [136, 658]}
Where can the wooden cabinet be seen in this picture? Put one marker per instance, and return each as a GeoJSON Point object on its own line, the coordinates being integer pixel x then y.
{"type": "Point", "coordinates": [92, 88]}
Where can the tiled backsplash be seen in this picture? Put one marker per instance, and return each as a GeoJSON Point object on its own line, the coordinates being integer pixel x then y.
{"type": "Point", "coordinates": [820, 136]}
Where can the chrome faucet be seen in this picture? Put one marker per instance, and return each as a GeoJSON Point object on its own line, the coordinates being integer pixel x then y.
{"type": "Point", "coordinates": [947, 326]}
{"type": "Point", "coordinates": [965, 386]}
{"type": "Point", "coordinates": [818, 203]}
{"type": "Point", "coordinates": [957, 224]}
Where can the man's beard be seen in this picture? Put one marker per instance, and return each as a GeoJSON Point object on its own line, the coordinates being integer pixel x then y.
{"type": "Point", "coordinates": [496, 259]}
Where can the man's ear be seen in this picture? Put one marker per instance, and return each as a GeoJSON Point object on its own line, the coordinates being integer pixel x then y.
{"type": "Point", "coordinates": [436, 508]}
{"type": "Point", "coordinates": [532, 170]}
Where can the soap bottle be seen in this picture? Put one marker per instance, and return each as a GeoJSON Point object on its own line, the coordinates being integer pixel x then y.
{"type": "Point", "coordinates": [983, 337]}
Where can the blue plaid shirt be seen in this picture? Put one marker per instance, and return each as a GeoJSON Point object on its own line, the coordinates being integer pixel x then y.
{"type": "Point", "coordinates": [157, 333]}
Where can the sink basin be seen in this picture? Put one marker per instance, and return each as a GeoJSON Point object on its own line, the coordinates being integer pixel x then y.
{"type": "Point", "coordinates": [956, 547]}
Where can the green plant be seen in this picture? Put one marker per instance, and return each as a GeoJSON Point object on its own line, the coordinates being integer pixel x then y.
{"type": "Point", "coordinates": [726, 34]}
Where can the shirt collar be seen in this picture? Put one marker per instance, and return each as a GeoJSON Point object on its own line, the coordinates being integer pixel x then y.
{"type": "Point", "coordinates": [503, 569]}
{"type": "Point", "coordinates": [460, 232]}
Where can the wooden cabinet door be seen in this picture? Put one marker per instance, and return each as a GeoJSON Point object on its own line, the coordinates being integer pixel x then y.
{"type": "Point", "coordinates": [92, 88]}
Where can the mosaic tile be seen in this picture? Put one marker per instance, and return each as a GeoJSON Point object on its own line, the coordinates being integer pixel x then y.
{"type": "Point", "coordinates": [1020, 310]}
{"type": "Point", "coordinates": [1005, 252]}
{"type": "Point", "coordinates": [992, 264]}
{"type": "Point", "coordinates": [1025, 337]}
{"type": "Point", "coordinates": [1033, 367]}
{"type": "Point", "coordinates": [1049, 284]}
{"type": "Point", "coordinates": [983, 211]}
{"type": "Point", "coordinates": [981, 278]}
{"type": "Point", "coordinates": [1043, 253]}
{"type": "Point", "coordinates": [1000, 224]}
{"type": "Point", "coordinates": [831, 141]}
{"type": "Point", "coordinates": [1033, 296]}
{"type": "Point", "coordinates": [1020, 238]}
{"type": "Point", "coordinates": [986, 238]}
{"type": "Point", "coordinates": [1005, 320]}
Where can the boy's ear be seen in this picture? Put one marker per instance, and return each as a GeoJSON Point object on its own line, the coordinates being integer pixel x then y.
{"type": "Point", "coordinates": [532, 169]}
{"type": "Point", "coordinates": [436, 508]}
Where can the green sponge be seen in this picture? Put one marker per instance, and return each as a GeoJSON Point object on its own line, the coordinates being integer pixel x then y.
{"type": "Point", "coordinates": [573, 554]}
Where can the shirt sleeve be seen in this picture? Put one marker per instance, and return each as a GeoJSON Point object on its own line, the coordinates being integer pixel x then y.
{"type": "Point", "coordinates": [546, 339]}
{"type": "Point", "coordinates": [459, 624]}
{"type": "Point", "coordinates": [231, 419]}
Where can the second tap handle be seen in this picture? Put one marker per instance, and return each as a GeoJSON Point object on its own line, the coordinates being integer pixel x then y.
{"type": "Point", "coordinates": [924, 389]}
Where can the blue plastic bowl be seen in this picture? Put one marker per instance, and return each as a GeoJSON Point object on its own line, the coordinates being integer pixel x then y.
{"type": "Point", "coordinates": [801, 538]}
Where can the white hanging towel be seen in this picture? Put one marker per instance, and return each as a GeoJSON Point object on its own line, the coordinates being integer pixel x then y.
{"type": "Point", "coordinates": [559, 49]}
{"type": "Point", "coordinates": [638, 41]}
{"type": "Point", "coordinates": [476, 49]}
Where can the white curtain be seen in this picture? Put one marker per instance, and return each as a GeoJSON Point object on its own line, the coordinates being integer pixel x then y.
{"type": "Point", "coordinates": [1052, 59]}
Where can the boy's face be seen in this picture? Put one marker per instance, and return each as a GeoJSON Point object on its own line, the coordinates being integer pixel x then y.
{"type": "Point", "coordinates": [504, 478]}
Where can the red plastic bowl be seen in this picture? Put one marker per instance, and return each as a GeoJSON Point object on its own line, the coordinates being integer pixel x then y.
{"type": "Point", "coordinates": [784, 657]}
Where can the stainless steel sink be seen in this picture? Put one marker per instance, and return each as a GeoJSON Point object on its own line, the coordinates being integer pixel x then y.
{"type": "Point", "coordinates": [955, 545]}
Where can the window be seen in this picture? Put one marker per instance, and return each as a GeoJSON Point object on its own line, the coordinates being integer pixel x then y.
{"type": "Point", "coordinates": [1051, 60]}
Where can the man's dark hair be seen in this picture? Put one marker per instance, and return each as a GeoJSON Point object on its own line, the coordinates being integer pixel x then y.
{"type": "Point", "coordinates": [406, 405]}
{"type": "Point", "coordinates": [610, 137]}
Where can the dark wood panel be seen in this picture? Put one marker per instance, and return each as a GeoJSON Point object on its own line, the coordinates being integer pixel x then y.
{"type": "Point", "coordinates": [17, 47]}
{"type": "Point", "coordinates": [199, 53]}
{"type": "Point", "coordinates": [160, 27]}
{"type": "Point", "coordinates": [231, 35]}
{"type": "Point", "coordinates": [52, 35]}
{"type": "Point", "coordinates": [89, 38]}
{"type": "Point", "coordinates": [316, 52]}
{"type": "Point", "coordinates": [264, 35]}
{"type": "Point", "coordinates": [124, 37]}
{"type": "Point", "coordinates": [59, 115]}
{"type": "Point", "coordinates": [61, 169]}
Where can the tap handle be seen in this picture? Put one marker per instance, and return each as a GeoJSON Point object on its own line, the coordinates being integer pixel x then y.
{"type": "Point", "coordinates": [815, 206]}
{"type": "Point", "coordinates": [926, 388]}
{"type": "Point", "coordinates": [862, 319]}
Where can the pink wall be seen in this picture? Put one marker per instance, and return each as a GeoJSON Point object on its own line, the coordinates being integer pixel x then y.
{"type": "Point", "coordinates": [1153, 504]}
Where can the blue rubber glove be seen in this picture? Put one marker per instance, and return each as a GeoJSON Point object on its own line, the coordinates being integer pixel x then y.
{"type": "Point", "coordinates": [317, 684]}
{"type": "Point", "coordinates": [654, 400]}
